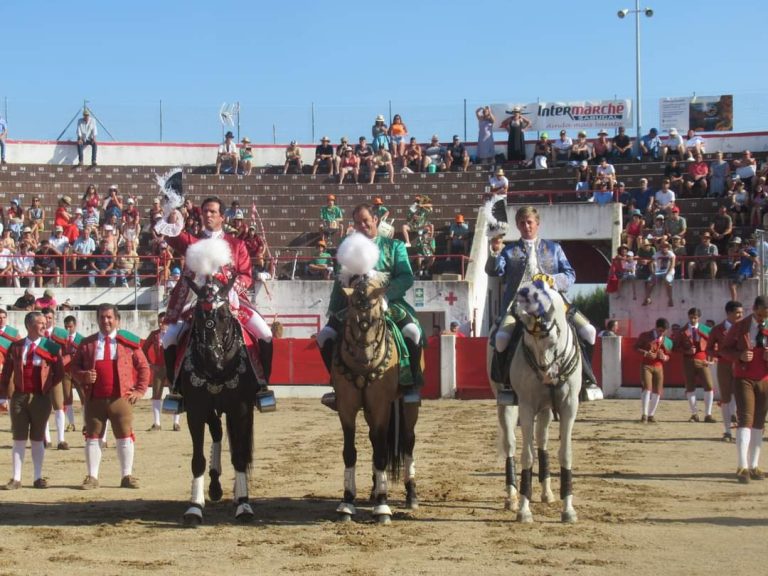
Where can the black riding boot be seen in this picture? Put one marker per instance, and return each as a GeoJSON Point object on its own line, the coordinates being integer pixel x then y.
{"type": "Point", "coordinates": [265, 357]}
{"type": "Point", "coordinates": [411, 393]}
{"type": "Point", "coordinates": [169, 355]}
{"type": "Point", "coordinates": [326, 353]}
{"type": "Point", "coordinates": [588, 380]}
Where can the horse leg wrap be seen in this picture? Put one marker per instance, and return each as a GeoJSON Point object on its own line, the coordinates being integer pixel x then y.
{"type": "Point", "coordinates": [543, 464]}
{"type": "Point", "coordinates": [215, 459]}
{"type": "Point", "coordinates": [509, 472]}
{"type": "Point", "coordinates": [380, 486]}
{"type": "Point", "coordinates": [410, 468]}
{"type": "Point", "coordinates": [566, 483]}
{"type": "Point", "coordinates": [526, 477]}
{"type": "Point", "coordinates": [241, 487]}
{"type": "Point", "coordinates": [198, 495]}
{"type": "Point", "coordinates": [350, 488]}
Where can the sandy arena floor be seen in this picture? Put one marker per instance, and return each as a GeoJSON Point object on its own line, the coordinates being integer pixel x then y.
{"type": "Point", "coordinates": [652, 499]}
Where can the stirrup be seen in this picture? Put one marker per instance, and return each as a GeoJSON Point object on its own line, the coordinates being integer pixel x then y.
{"type": "Point", "coordinates": [265, 400]}
{"type": "Point", "coordinates": [173, 403]}
{"type": "Point", "coordinates": [411, 395]}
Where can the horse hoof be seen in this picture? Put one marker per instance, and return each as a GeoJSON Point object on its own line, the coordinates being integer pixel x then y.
{"type": "Point", "coordinates": [412, 503]}
{"type": "Point", "coordinates": [547, 497]}
{"type": "Point", "coordinates": [244, 512]}
{"type": "Point", "coordinates": [215, 492]}
{"type": "Point", "coordinates": [569, 517]}
{"type": "Point", "coordinates": [344, 518]}
{"type": "Point", "coordinates": [193, 517]}
{"type": "Point", "coordinates": [384, 519]}
{"type": "Point", "coordinates": [511, 505]}
{"type": "Point", "coordinates": [346, 508]}
{"type": "Point", "coordinates": [524, 517]}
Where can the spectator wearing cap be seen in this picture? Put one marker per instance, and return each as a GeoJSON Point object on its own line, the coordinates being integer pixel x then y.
{"type": "Point", "coordinates": [434, 156]}
{"type": "Point", "coordinates": [498, 183]}
{"type": "Point", "coordinates": [380, 211]}
{"type": "Point", "coordinates": [663, 199]}
{"type": "Point", "coordinates": [86, 136]}
{"type": "Point", "coordinates": [413, 160]}
{"type": "Point", "coordinates": [379, 134]}
{"type": "Point", "coordinates": [582, 149]}
{"type": "Point", "coordinates": [47, 300]}
{"type": "Point", "coordinates": [331, 217]}
{"type": "Point", "coordinates": [696, 177]}
{"type": "Point", "coordinates": [59, 241]}
{"type": "Point", "coordinates": [26, 236]}
{"type": "Point", "coordinates": [561, 149]}
{"type": "Point", "coordinates": [228, 153]}
{"type": "Point", "coordinates": [694, 145]}
{"type": "Point", "coordinates": [622, 146]}
{"type": "Point", "coordinates": [584, 177]}
{"type": "Point", "coordinates": [634, 229]}
{"type": "Point", "coordinates": [83, 247]}
{"type": "Point", "coordinates": [541, 151]}
{"type": "Point", "coordinates": [602, 147]}
{"type": "Point", "coordinates": [457, 155]}
{"type": "Point", "coordinates": [349, 163]}
{"type": "Point", "coordinates": [155, 210]}
{"type": "Point", "coordinates": [339, 153]}
{"type": "Point", "coordinates": [675, 225]}
{"type": "Point", "coordinates": [382, 160]}
{"type": "Point", "coordinates": [719, 171]}
{"type": "Point", "coordinates": [113, 204]}
{"type": "Point", "coordinates": [721, 229]}
{"type": "Point", "coordinates": [246, 156]}
{"type": "Point", "coordinates": [321, 266]}
{"type": "Point", "coordinates": [293, 158]}
{"type": "Point", "coordinates": [658, 230]}
{"type": "Point", "coordinates": [35, 218]}
{"type": "Point", "coordinates": [662, 271]}
{"type": "Point", "coordinates": [674, 146]}
{"type": "Point", "coordinates": [173, 279]}
{"type": "Point", "coordinates": [744, 262]}
{"type": "Point", "coordinates": [458, 236]}
{"type": "Point", "coordinates": [650, 146]}
{"type": "Point", "coordinates": [64, 216]}
{"type": "Point", "coordinates": [704, 263]}
{"type": "Point", "coordinates": [324, 156]}
{"type": "Point", "coordinates": [130, 209]}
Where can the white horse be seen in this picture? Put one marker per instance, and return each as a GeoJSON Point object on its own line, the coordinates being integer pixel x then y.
{"type": "Point", "coordinates": [546, 376]}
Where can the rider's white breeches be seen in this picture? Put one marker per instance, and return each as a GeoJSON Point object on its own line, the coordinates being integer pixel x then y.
{"type": "Point", "coordinates": [327, 333]}
{"type": "Point", "coordinates": [584, 329]}
{"type": "Point", "coordinates": [504, 333]}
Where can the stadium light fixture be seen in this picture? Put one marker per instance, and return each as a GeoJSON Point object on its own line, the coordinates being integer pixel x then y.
{"type": "Point", "coordinates": [623, 13]}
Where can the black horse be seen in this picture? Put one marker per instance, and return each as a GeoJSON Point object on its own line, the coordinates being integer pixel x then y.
{"type": "Point", "coordinates": [216, 378]}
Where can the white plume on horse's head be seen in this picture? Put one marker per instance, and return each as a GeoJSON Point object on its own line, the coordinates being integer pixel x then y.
{"type": "Point", "coordinates": [357, 255]}
{"type": "Point", "coordinates": [534, 299]}
{"type": "Point", "coordinates": [206, 257]}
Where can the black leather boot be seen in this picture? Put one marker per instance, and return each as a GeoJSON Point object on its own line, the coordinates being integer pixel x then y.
{"type": "Point", "coordinates": [265, 357]}
{"type": "Point", "coordinates": [169, 355]}
{"type": "Point", "coordinates": [326, 353]}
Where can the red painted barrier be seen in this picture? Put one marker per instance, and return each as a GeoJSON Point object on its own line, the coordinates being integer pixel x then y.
{"type": "Point", "coordinates": [431, 388]}
{"type": "Point", "coordinates": [631, 362]}
{"type": "Point", "coordinates": [471, 373]}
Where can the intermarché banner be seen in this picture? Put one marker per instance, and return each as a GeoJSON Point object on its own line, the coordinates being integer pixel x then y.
{"type": "Point", "coordinates": [575, 115]}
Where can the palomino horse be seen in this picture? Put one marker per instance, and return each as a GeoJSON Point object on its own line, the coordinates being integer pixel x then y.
{"type": "Point", "coordinates": [365, 375]}
{"type": "Point", "coordinates": [546, 376]}
{"type": "Point", "coordinates": [215, 378]}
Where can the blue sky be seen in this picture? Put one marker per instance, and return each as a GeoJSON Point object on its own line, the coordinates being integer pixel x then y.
{"type": "Point", "coordinates": [351, 60]}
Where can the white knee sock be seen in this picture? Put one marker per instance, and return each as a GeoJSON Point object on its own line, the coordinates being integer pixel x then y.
{"type": "Point", "coordinates": [19, 447]}
{"type": "Point", "coordinates": [125, 455]}
{"type": "Point", "coordinates": [92, 456]}
{"type": "Point", "coordinates": [106, 432]}
{"type": "Point", "coordinates": [691, 396]}
{"type": "Point", "coordinates": [742, 446]}
{"type": "Point", "coordinates": [70, 411]}
{"type": "Point", "coordinates": [725, 410]}
{"type": "Point", "coordinates": [38, 454]}
{"type": "Point", "coordinates": [654, 404]}
{"type": "Point", "coordinates": [709, 399]}
{"type": "Point", "coordinates": [645, 397]}
{"type": "Point", "coordinates": [156, 406]}
{"type": "Point", "coordinates": [47, 432]}
{"type": "Point", "coordinates": [176, 419]}
{"type": "Point", "coordinates": [755, 443]}
{"type": "Point", "coordinates": [61, 420]}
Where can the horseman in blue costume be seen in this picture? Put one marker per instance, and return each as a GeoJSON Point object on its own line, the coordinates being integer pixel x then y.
{"type": "Point", "coordinates": [520, 262]}
{"type": "Point", "coordinates": [393, 261]}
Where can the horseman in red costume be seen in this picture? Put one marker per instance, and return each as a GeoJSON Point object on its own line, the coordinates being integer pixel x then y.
{"type": "Point", "coordinates": [255, 328]}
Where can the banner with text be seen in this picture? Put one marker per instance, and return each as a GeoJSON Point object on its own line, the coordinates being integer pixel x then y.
{"type": "Point", "coordinates": [567, 115]}
{"type": "Point", "coordinates": [700, 113]}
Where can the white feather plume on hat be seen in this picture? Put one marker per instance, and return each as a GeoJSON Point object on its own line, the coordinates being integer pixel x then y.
{"type": "Point", "coordinates": [357, 255]}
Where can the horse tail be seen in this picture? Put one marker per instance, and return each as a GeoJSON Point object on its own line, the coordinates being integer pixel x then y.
{"type": "Point", "coordinates": [396, 439]}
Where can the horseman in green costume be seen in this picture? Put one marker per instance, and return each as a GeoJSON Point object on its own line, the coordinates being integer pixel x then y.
{"type": "Point", "coordinates": [393, 262]}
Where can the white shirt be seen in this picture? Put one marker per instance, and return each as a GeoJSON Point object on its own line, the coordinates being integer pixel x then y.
{"type": "Point", "coordinates": [664, 198]}
{"type": "Point", "coordinates": [61, 244]}
{"type": "Point", "coordinates": [695, 141]}
{"type": "Point", "coordinates": [499, 182]}
{"type": "Point", "coordinates": [36, 360]}
{"type": "Point", "coordinates": [112, 345]}
{"type": "Point", "coordinates": [86, 129]}
{"type": "Point", "coordinates": [563, 145]}
{"type": "Point", "coordinates": [607, 170]}
{"type": "Point", "coordinates": [5, 258]}
{"type": "Point", "coordinates": [230, 148]}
